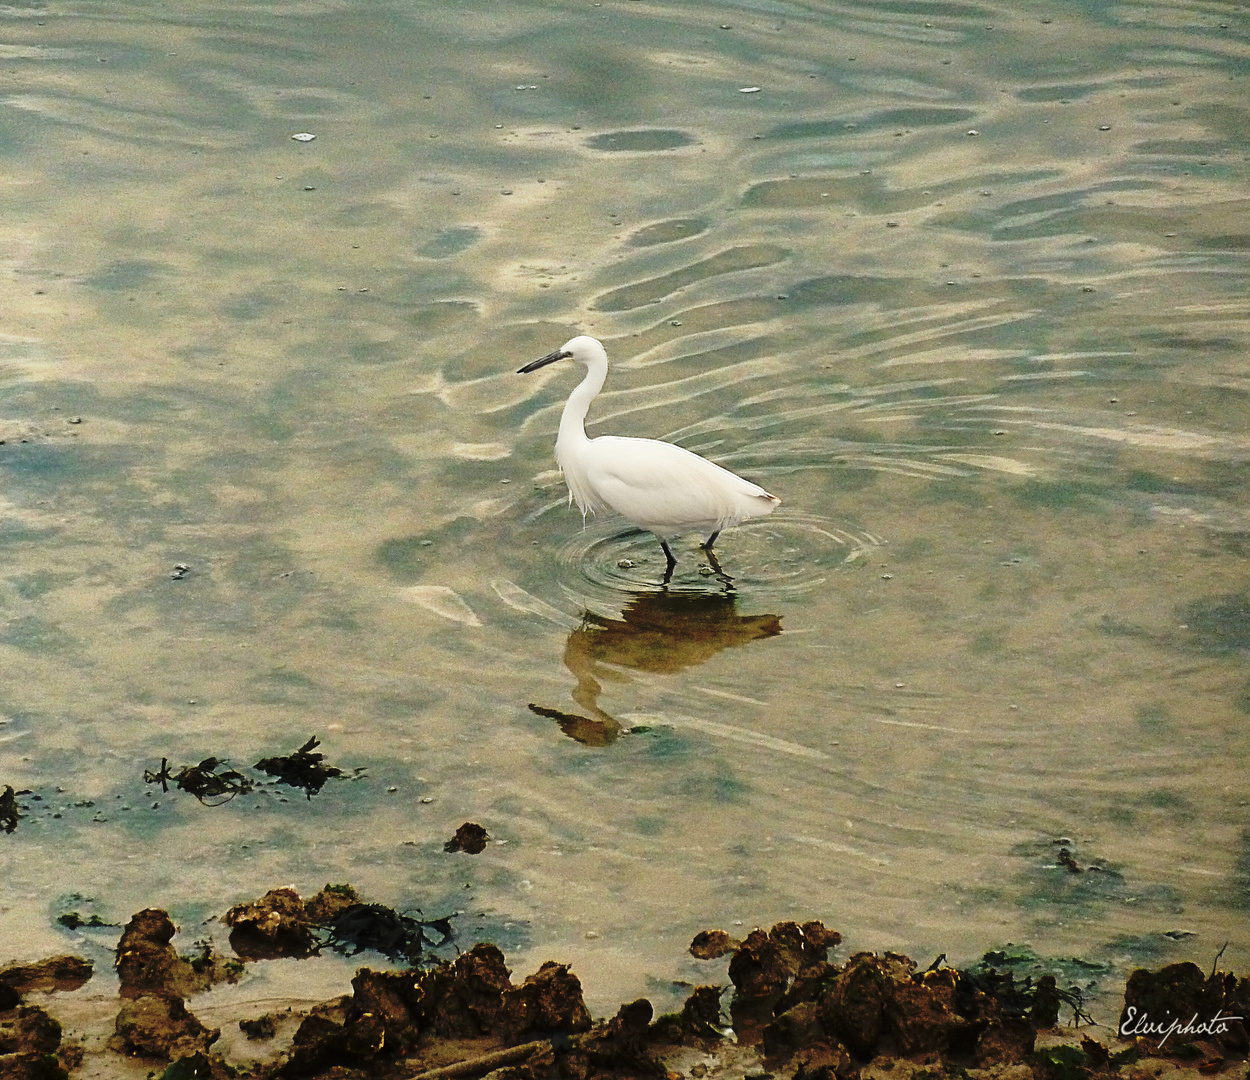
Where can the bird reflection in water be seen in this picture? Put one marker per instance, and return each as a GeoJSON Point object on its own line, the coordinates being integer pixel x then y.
{"type": "Point", "coordinates": [659, 633]}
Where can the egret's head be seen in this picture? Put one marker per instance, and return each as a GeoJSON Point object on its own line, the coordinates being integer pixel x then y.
{"type": "Point", "coordinates": [583, 349]}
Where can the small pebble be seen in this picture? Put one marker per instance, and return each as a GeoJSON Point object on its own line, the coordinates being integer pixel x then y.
{"type": "Point", "coordinates": [974, 132]}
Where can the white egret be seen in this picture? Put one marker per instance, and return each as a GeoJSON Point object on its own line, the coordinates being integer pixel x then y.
{"type": "Point", "coordinates": [662, 488]}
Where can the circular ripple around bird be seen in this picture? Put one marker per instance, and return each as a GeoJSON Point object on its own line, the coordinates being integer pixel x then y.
{"type": "Point", "coordinates": [783, 555]}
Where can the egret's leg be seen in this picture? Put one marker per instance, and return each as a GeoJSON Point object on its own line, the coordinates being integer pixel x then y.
{"type": "Point", "coordinates": [668, 554]}
{"type": "Point", "coordinates": [720, 574]}
{"type": "Point", "coordinates": [714, 563]}
{"type": "Point", "coordinates": [707, 544]}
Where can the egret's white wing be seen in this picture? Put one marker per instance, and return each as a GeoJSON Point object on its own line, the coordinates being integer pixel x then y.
{"type": "Point", "coordinates": [666, 488]}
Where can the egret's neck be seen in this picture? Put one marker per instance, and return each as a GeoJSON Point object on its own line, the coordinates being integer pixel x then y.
{"type": "Point", "coordinates": [572, 420]}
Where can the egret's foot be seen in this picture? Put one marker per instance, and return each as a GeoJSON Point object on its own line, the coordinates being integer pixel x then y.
{"type": "Point", "coordinates": [720, 574]}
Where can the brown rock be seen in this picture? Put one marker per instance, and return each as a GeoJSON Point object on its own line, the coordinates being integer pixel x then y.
{"type": "Point", "coordinates": [1180, 993]}
{"type": "Point", "coordinates": [329, 904]}
{"type": "Point", "coordinates": [700, 1015]}
{"type": "Point", "coordinates": [923, 1018]}
{"type": "Point", "coordinates": [275, 925]}
{"type": "Point", "coordinates": [548, 1001]}
{"type": "Point", "coordinates": [55, 973]}
{"type": "Point", "coordinates": [824, 1061]}
{"type": "Point", "coordinates": [465, 999]}
{"type": "Point", "coordinates": [470, 838]}
{"type": "Point", "coordinates": [631, 1019]}
{"type": "Point", "coordinates": [1097, 1054]}
{"type": "Point", "coordinates": [384, 1014]}
{"type": "Point", "coordinates": [147, 963]}
{"type": "Point", "coordinates": [319, 1043]}
{"type": "Point", "coordinates": [1006, 1041]}
{"type": "Point", "coordinates": [793, 1030]}
{"type": "Point", "coordinates": [32, 1067]}
{"type": "Point", "coordinates": [788, 935]}
{"type": "Point", "coordinates": [260, 1028]}
{"type": "Point", "coordinates": [818, 939]}
{"type": "Point", "coordinates": [855, 1009]}
{"type": "Point", "coordinates": [620, 1045]}
{"type": "Point", "coordinates": [1046, 1002]}
{"type": "Point", "coordinates": [1176, 990]}
{"type": "Point", "coordinates": [160, 1027]}
{"type": "Point", "coordinates": [808, 985]}
{"type": "Point", "coordinates": [28, 1030]}
{"type": "Point", "coordinates": [1236, 1039]}
{"type": "Point", "coordinates": [711, 944]}
{"type": "Point", "coordinates": [763, 965]}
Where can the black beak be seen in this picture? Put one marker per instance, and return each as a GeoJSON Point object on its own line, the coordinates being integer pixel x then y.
{"type": "Point", "coordinates": [543, 361]}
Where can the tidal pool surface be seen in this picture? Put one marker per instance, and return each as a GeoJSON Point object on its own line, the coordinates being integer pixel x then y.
{"type": "Point", "coordinates": [965, 284]}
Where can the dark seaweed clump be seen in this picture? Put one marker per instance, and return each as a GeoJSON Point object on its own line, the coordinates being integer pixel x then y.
{"type": "Point", "coordinates": [305, 769]}
{"type": "Point", "coordinates": [393, 934]}
{"type": "Point", "coordinates": [10, 811]}
{"type": "Point", "coordinates": [204, 781]}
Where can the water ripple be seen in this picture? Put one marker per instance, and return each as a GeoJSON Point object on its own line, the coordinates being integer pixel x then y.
{"type": "Point", "coordinates": [787, 554]}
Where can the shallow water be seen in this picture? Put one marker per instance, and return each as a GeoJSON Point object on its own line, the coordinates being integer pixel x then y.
{"type": "Point", "coordinates": [963, 283]}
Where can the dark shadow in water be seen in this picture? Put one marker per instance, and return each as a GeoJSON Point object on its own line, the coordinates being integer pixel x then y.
{"type": "Point", "coordinates": [661, 633]}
